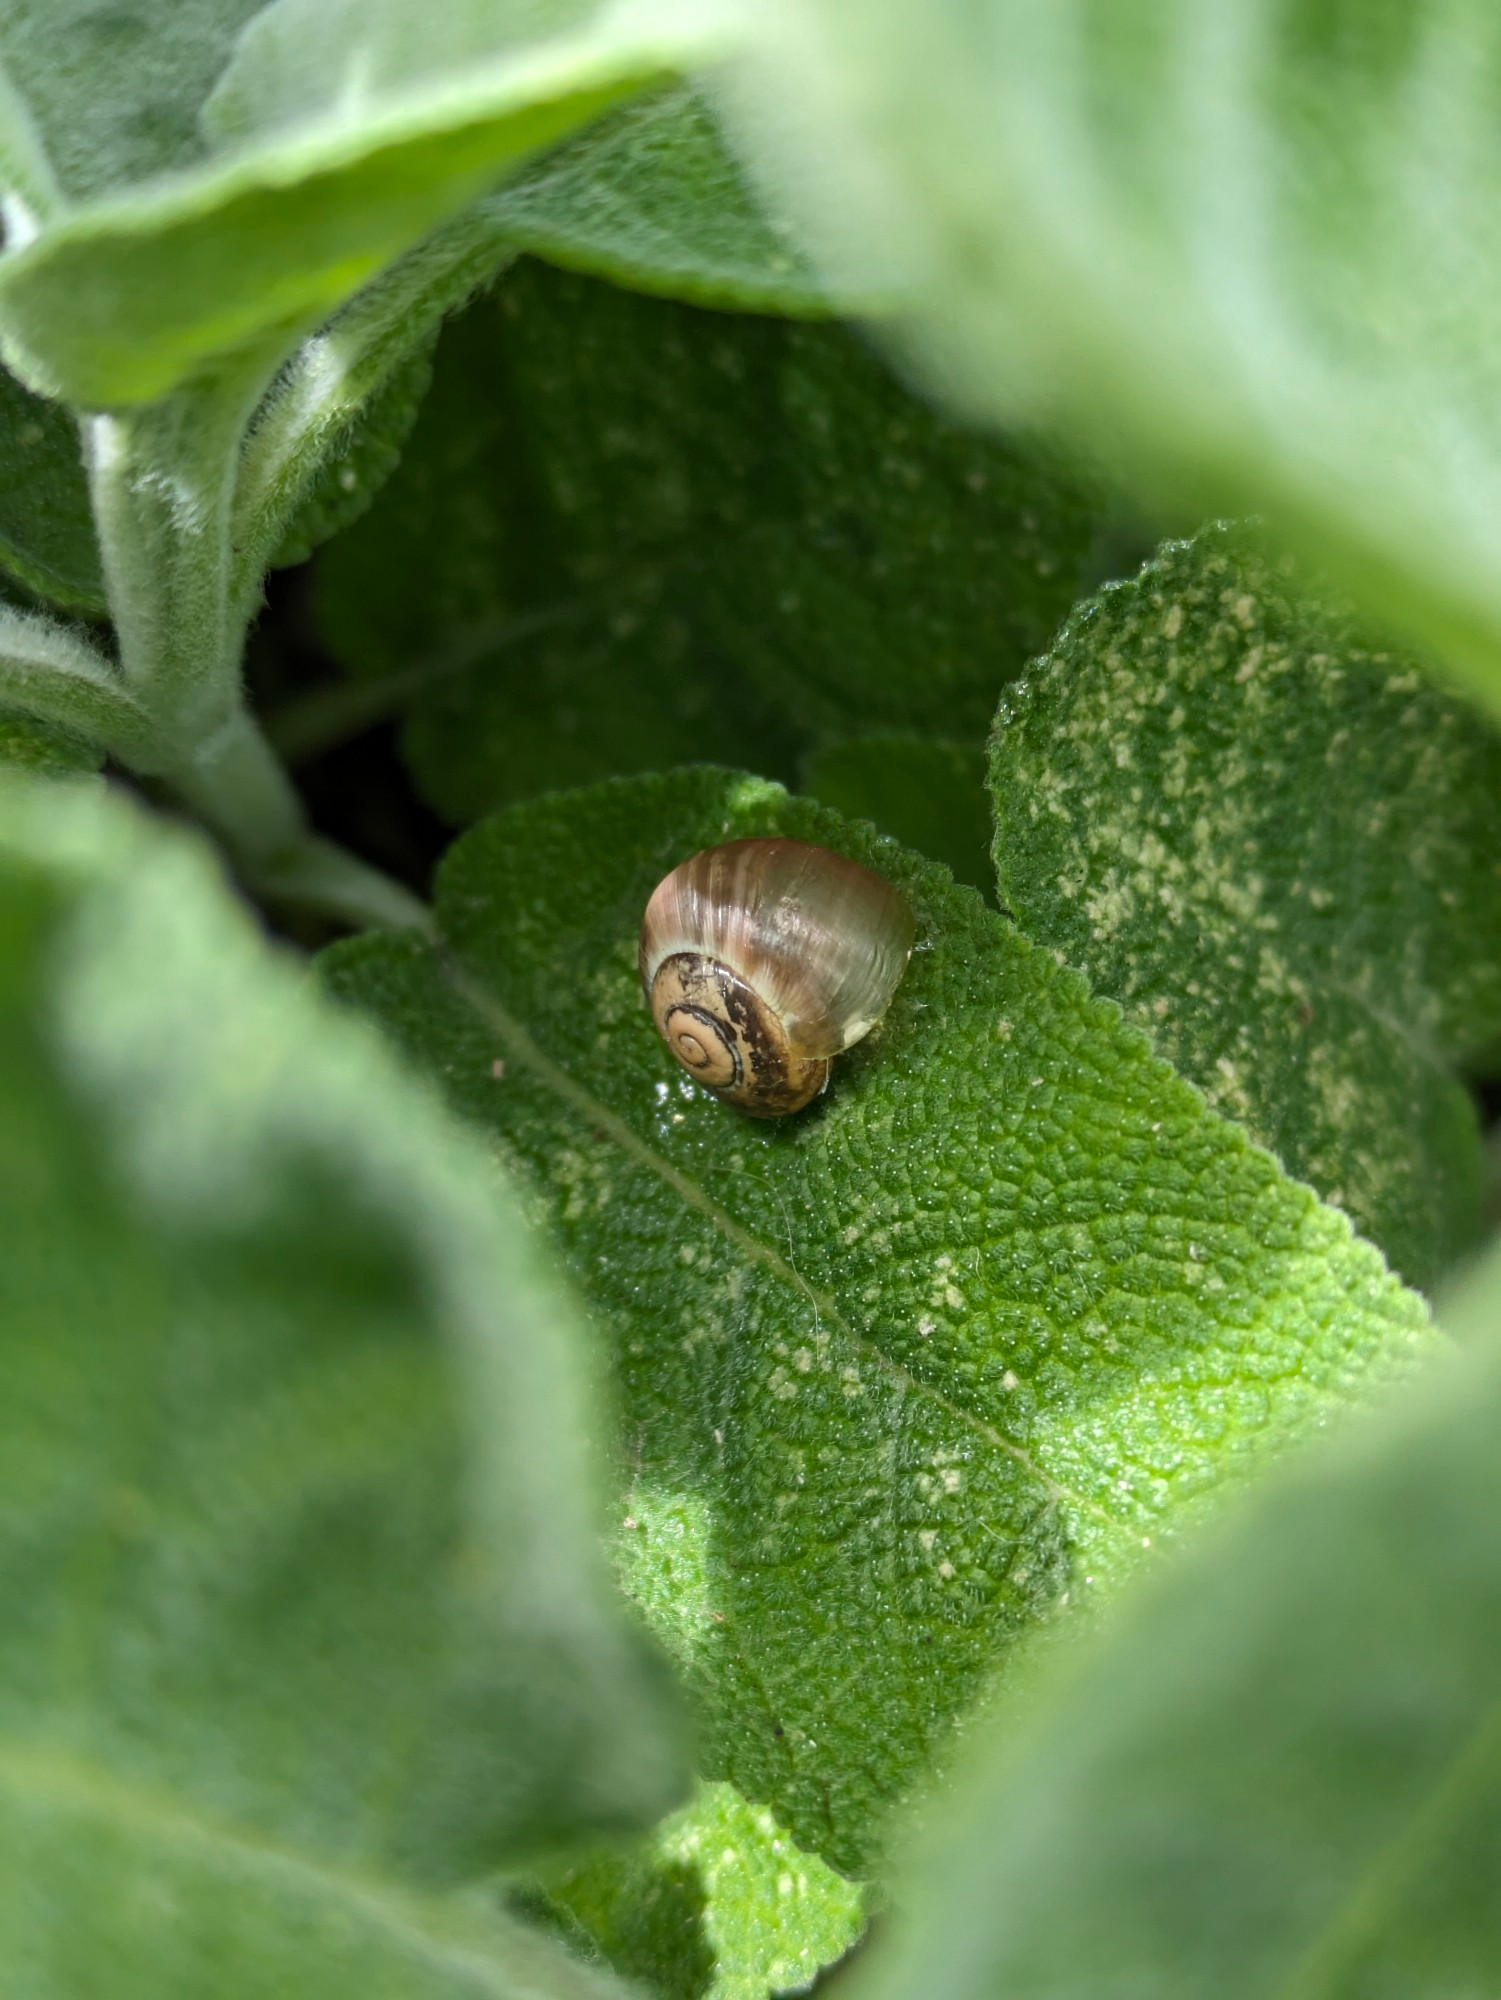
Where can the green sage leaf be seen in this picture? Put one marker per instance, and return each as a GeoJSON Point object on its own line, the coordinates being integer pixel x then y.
{"type": "Point", "coordinates": [44, 748]}
{"type": "Point", "coordinates": [1275, 843]}
{"type": "Point", "coordinates": [740, 533]}
{"type": "Point", "coordinates": [306, 1606]}
{"type": "Point", "coordinates": [902, 1376]}
{"type": "Point", "coordinates": [358, 460]}
{"type": "Point", "coordinates": [105, 97]}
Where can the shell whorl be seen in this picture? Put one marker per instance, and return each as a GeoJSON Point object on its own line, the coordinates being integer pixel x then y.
{"type": "Point", "coordinates": [763, 959]}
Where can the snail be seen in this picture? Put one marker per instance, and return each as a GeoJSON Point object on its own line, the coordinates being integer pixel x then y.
{"type": "Point", "coordinates": [763, 959]}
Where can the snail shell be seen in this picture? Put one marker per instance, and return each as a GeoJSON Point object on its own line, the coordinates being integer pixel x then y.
{"type": "Point", "coordinates": [763, 959]}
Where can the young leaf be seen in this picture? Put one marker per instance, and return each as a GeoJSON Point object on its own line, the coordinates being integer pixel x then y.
{"type": "Point", "coordinates": [51, 675]}
{"type": "Point", "coordinates": [1277, 1773]}
{"type": "Point", "coordinates": [926, 793]}
{"type": "Point", "coordinates": [717, 1903]}
{"type": "Point", "coordinates": [295, 1512]}
{"type": "Point", "coordinates": [649, 197]}
{"type": "Point", "coordinates": [680, 484]}
{"type": "Point", "coordinates": [904, 1374]}
{"type": "Point", "coordinates": [330, 428]}
{"type": "Point", "coordinates": [339, 135]}
{"type": "Point", "coordinates": [357, 459]}
{"type": "Point", "coordinates": [1243, 250]}
{"type": "Point", "coordinates": [1275, 844]}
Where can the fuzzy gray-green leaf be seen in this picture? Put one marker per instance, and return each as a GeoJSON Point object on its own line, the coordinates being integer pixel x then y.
{"type": "Point", "coordinates": [334, 140]}
{"type": "Point", "coordinates": [904, 1374]}
{"type": "Point", "coordinates": [44, 748]}
{"type": "Point", "coordinates": [358, 460]}
{"type": "Point", "coordinates": [1244, 251]}
{"type": "Point", "coordinates": [306, 1606]}
{"type": "Point", "coordinates": [1279, 846]}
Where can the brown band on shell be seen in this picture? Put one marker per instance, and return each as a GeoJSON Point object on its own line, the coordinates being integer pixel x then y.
{"type": "Point", "coordinates": [725, 1036]}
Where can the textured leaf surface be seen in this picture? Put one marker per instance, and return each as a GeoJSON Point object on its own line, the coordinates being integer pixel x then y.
{"type": "Point", "coordinates": [304, 1593]}
{"type": "Point", "coordinates": [338, 135]}
{"type": "Point", "coordinates": [1282, 1772]}
{"type": "Point", "coordinates": [717, 1904]}
{"type": "Point", "coordinates": [904, 1374]}
{"type": "Point", "coordinates": [649, 197]}
{"type": "Point", "coordinates": [1280, 848]}
{"type": "Point", "coordinates": [926, 793]}
{"type": "Point", "coordinates": [754, 531]}
{"type": "Point", "coordinates": [1245, 249]}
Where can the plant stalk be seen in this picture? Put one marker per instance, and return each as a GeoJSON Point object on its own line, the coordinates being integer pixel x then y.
{"type": "Point", "coordinates": [236, 784]}
{"type": "Point", "coordinates": [164, 481]}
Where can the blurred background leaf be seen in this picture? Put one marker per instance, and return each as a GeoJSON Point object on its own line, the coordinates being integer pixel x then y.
{"type": "Point", "coordinates": [46, 528]}
{"type": "Point", "coordinates": [307, 1608]}
{"type": "Point", "coordinates": [928, 794]}
{"type": "Point", "coordinates": [1279, 1771]}
{"type": "Point", "coordinates": [1244, 252]}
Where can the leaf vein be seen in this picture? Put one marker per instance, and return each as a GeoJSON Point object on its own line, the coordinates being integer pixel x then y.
{"type": "Point", "coordinates": [521, 1044]}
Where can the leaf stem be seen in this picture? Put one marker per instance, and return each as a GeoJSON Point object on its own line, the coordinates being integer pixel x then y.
{"type": "Point", "coordinates": [237, 785]}
{"type": "Point", "coordinates": [321, 875]}
{"type": "Point", "coordinates": [190, 496]}
{"type": "Point", "coordinates": [163, 482]}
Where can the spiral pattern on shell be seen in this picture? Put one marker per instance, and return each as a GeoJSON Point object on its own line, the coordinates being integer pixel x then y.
{"type": "Point", "coordinates": [763, 959]}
